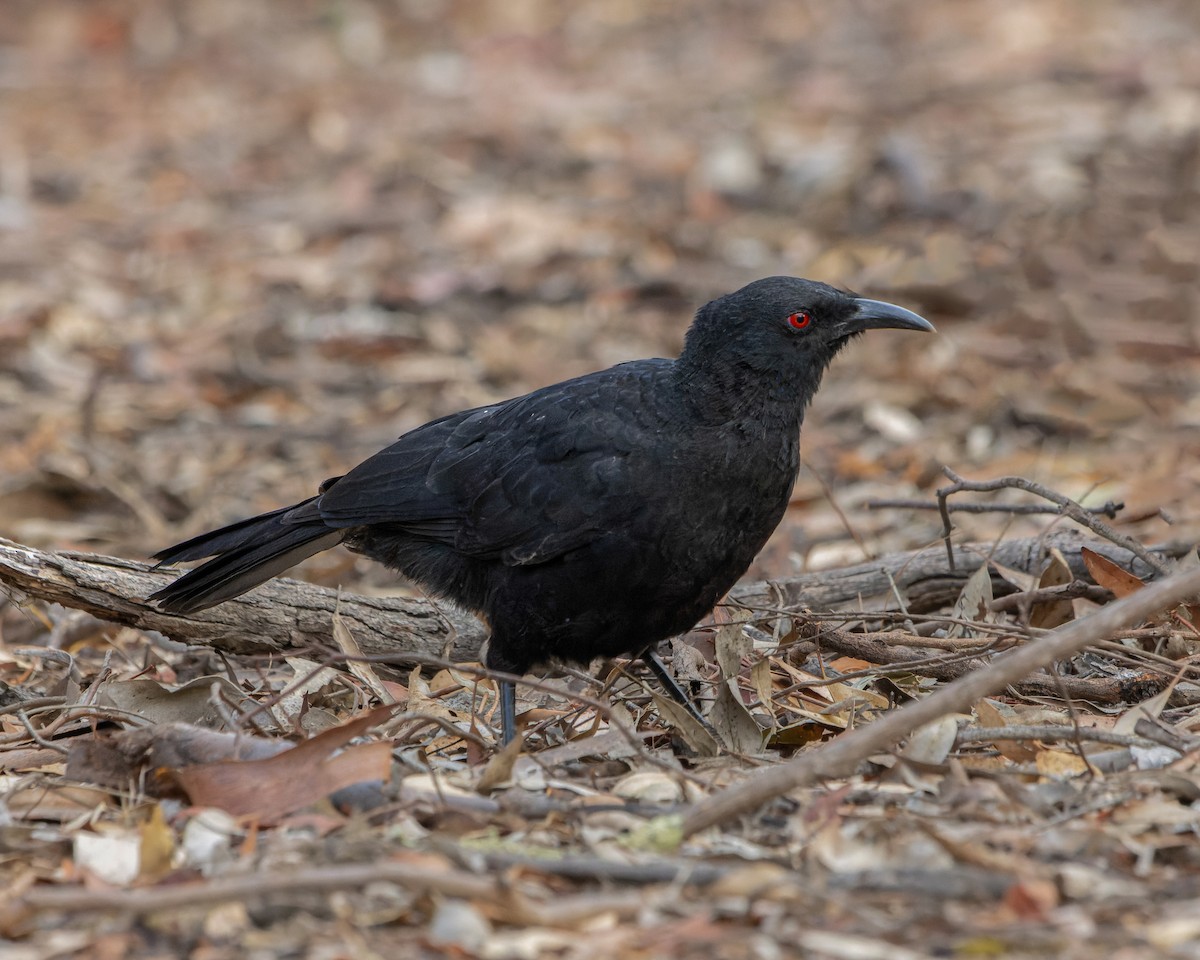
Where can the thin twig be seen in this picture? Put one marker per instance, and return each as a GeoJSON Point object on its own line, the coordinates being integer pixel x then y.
{"type": "Point", "coordinates": [37, 737]}
{"type": "Point", "coordinates": [595, 868]}
{"type": "Point", "coordinates": [1067, 507]}
{"type": "Point", "coordinates": [1152, 728]}
{"type": "Point", "coordinates": [564, 911]}
{"type": "Point", "coordinates": [33, 703]}
{"type": "Point", "coordinates": [453, 883]}
{"type": "Point", "coordinates": [1048, 731]}
{"type": "Point", "coordinates": [842, 617]}
{"type": "Point", "coordinates": [1109, 509]}
{"type": "Point", "coordinates": [1066, 591]}
{"type": "Point", "coordinates": [947, 525]}
{"type": "Point", "coordinates": [1146, 660]}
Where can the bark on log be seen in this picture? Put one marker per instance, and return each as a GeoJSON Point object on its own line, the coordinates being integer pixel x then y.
{"type": "Point", "coordinates": [282, 615]}
{"type": "Point", "coordinates": [286, 615]}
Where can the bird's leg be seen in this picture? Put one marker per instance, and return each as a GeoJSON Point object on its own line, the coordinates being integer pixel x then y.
{"type": "Point", "coordinates": [508, 712]}
{"type": "Point", "coordinates": [669, 683]}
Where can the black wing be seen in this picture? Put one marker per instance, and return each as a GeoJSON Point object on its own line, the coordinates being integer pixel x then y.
{"type": "Point", "coordinates": [523, 481]}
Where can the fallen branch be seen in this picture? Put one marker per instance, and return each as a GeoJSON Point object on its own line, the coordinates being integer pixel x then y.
{"type": "Point", "coordinates": [287, 615]}
{"type": "Point", "coordinates": [281, 615]}
{"type": "Point", "coordinates": [426, 878]}
{"type": "Point", "coordinates": [1067, 591]}
{"type": "Point", "coordinates": [560, 911]}
{"type": "Point", "coordinates": [1066, 506]}
{"type": "Point", "coordinates": [840, 757]}
{"type": "Point", "coordinates": [1109, 509]}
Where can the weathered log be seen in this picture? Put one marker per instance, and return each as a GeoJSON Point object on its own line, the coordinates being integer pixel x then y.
{"type": "Point", "coordinates": [286, 615]}
{"type": "Point", "coordinates": [282, 615]}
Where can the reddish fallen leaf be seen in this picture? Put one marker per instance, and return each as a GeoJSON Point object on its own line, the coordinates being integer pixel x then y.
{"type": "Point", "coordinates": [274, 787]}
{"type": "Point", "coordinates": [1110, 576]}
{"type": "Point", "coordinates": [1014, 750]}
{"type": "Point", "coordinates": [1032, 899]}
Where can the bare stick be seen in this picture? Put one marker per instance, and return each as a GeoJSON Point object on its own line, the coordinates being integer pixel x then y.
{"type": "Point", "coordinates": [840, 757]}
{"type": "Point", "coordinates": [1067, 591]}
{"type": "Point", "coordinates": [892, 652]}
{"type": "Point", "coordinates": [453, 883]}
{"type": "Point", "coordinates": [1067, 507]}
{"type": "Point", "coordinates": [566, 911]}
{"type": "Point", "coordinates": [1109, 509]}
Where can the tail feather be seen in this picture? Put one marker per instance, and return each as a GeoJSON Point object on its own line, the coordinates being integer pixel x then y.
{"type": "Point", "coordinates": [227, 538]}
{"type": "Point", "coordinates": [244, 554]}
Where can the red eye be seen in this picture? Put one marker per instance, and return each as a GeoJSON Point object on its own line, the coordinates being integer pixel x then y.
{"type": "Point", "coordinates": [799, 320]}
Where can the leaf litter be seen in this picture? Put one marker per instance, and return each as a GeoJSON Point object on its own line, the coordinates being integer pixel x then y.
{"type": "Point", "coordinates": [284, 270]}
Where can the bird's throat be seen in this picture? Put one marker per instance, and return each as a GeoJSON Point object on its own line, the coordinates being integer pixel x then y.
{"type": "Point", "coordinates": [720, 393]}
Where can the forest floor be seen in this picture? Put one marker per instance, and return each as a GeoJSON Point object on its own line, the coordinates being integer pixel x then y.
{"type": "Point", "coordinates": [246, 243]}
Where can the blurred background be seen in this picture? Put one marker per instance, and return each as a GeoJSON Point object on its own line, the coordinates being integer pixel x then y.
{"type": "Point", "coordinates": [246, 243]}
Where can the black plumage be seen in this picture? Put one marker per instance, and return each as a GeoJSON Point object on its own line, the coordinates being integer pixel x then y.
{"type": "Point", "coordinates": [593, 517]}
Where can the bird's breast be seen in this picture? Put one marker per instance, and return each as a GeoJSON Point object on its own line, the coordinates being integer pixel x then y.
{"type": "Point", "coordinates": [726, 486]}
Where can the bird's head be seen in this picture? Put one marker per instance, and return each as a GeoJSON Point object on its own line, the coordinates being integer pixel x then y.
{"type": "Point", "coordinates": [782, 332]}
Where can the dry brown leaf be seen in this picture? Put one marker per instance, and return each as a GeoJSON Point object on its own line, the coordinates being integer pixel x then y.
{"type": "Point", "coordinates": [973, 603]}
{"type": "Point", "coordinates": [698, 737]}
{"type": "Point", "coordinates": [499, 768]}
{"type": "Point", "coordinates": [1030, 899]}
{"type": "Point", "coordinates": [730, 717]}
{"type": "Point", "coordinates": [649, 786]}
{"type": "Point", "coordinates": [56, 802]}
{"type": "Point", "coordinates": [734, 723]}
{"type": "Point", "coordinates": [849, 664]}
{"type": "Point", "coordinates": [808, 730]}
{"type": "Point", "coordinates": [364, 671]}
{"type": "Point", "coordinates": [269, 789]}
{"type": "Point", "coordinates": [1059, 763]}
{"type": "Point", "coordinates": [931, 744]}
{"type": "Point", "coordinates": [157, 845]}
{"type": "Point", "coordinates": [145, 754]}
{"type": "Point", "coordinates": [761, 678]}
{"type": "Point", "coordinates": [1014, 750]}
{"type": "Point", "coordinates": [1110, 576]}
{"type": "Point", "coordinates": [191, 703]}
{"type": "Point", "coordinates": [752, 881]}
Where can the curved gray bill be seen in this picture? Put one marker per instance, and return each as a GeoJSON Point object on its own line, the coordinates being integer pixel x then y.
{"type": "Point", "coordinates": [877, 315]}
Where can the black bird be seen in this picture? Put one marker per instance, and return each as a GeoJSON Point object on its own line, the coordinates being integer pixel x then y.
{"type": "Point", "coordinates": [594, 517]}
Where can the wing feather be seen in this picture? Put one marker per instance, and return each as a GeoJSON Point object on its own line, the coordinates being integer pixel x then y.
{"type": "Point", "coordinates": [523, 482]}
